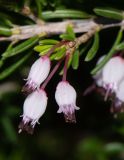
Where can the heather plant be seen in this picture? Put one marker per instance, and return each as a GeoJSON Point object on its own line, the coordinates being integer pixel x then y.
{"type": "Point", "coordinates": [62, 57]}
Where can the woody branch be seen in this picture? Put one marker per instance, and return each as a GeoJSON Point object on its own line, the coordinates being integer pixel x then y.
{"type": "Point", "coordinates": [55, 28]}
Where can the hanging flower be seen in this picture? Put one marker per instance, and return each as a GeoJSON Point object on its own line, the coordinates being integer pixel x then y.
{"type": "Point", "coordinates": [113, 73]}
{"type": "Point", "coordinates": [33, 108]}
{"type": "Point", "coordinates": [38, 73]}
{"type": "Point", "coordinates": [65, 96]}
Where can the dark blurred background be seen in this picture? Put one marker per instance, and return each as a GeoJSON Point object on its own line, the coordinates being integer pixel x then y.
{"type": "Point", "coordinates": [97, 135]}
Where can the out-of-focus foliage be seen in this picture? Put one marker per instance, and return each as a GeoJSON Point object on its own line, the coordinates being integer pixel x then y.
{"type": "Point", "coordinates": [110, 13]}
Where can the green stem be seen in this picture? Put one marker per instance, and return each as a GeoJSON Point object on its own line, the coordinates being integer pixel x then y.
{"type": "Point", "coordinates": [110, 54]}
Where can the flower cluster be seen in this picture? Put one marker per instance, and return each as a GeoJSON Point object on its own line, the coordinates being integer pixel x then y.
{"type": "Point", "coordinates": [111, 79]}
{"type": "Point", "coordinates": [36, 102]}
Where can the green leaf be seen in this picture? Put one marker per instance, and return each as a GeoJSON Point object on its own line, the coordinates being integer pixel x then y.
{"type": "Point", "coordinates": [110, 13]}
{"type": "Point", "coordinates": [93, 50]}
{"type": "Point", "coordinates": [70, 31]}
{"type": "Point", "coordinates": [13, 67]}
{"type": "Point", "coordinates": [110, 54]}
{"type": "Point", "coordinates": [5, 31]}
{"type": "Point", "coordinates": [9, 47]}
{"type": "Point", "coordinates": [64, 13]}
{"type": "Point", "coordinates": [120, 46]}
{"type": "Point", "coordinates": [21, 47]}
{"type": "Point", "coordinates": [48, 42]}
{"type": "Point", "coordinates": [6, 19]}
{"type": "Point", "coordinates": [7, 22]}
{"type": "Point", "coordinates": [42, 48]}
{"type": "Point", "coordinates": [44, 52]}
{"type": "Point", "coordinates": [69, 35]}
{"type": "Point", "coordinates": [66, 37]}
{"type": "Point", "coordinates": [75, 60]}
{"type": "Point", "coordinates": [59, 54]}
{"type": "Point", "coordinates": [39, 8]}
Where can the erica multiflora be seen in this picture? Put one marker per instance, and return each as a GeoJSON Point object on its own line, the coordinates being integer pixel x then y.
{"type": "Point", "coordinates": [36, 102]}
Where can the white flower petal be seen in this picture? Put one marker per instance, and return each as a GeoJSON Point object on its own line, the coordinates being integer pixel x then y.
{"type": "Point", "coordinates": [65, 94]}
{"type": "Point", "coordinates": [40, 70]}
{"type": "Point", "coordinates": [35, 105]}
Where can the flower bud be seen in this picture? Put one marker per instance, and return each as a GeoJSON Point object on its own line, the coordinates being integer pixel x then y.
{"type": "Point", "coordinates": [38, 73]}
{"type": "Point", "coordinates": [65, 96]}
{"type": "Point", "coordinates": [33, 108]}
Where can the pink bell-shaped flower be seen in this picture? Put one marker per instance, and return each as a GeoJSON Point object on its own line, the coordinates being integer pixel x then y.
{"type": "Point", "coordinates": [65, 96]}
{"type": "Point", "coordinates": [113, 73]}
{"type": "Point", "coordinates": [38, 73]}
{"type": "Point", "coordinates": [33, 108]}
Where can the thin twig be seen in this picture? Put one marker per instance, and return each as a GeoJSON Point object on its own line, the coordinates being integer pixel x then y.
{"type": "Point", "coordinates": [112, 25]}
